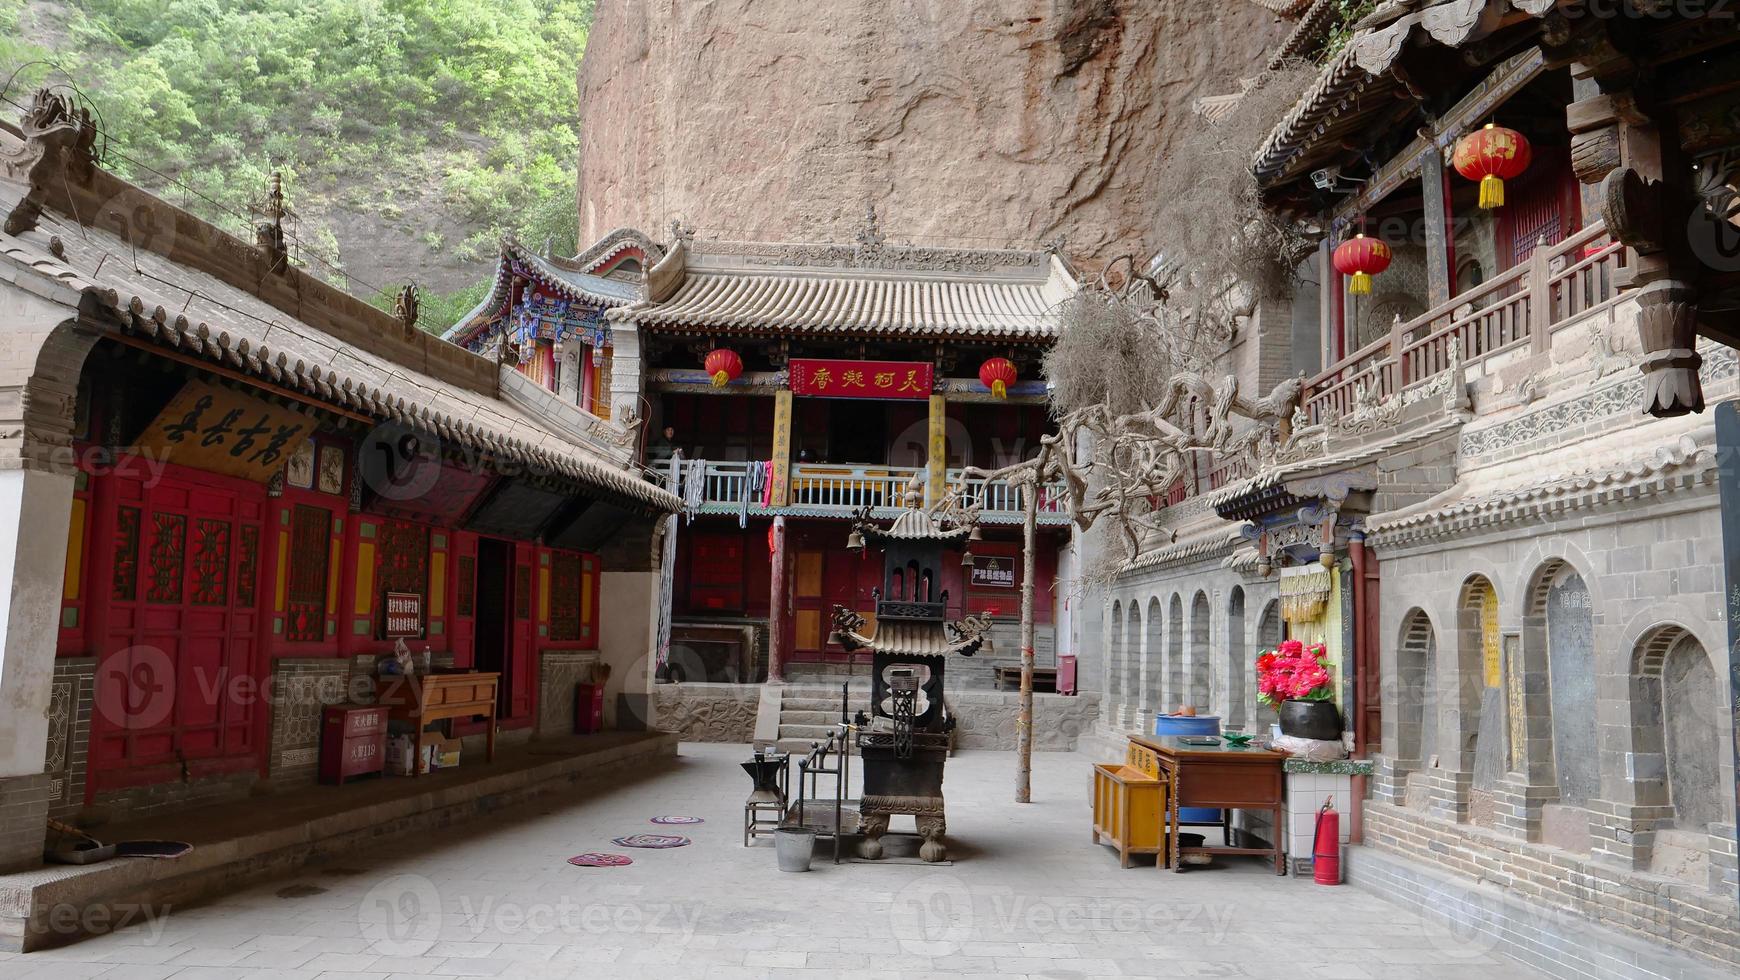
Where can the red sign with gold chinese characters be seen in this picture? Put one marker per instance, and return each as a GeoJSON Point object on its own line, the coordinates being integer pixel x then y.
{"type": "Point", "coordinates": [860, 379]}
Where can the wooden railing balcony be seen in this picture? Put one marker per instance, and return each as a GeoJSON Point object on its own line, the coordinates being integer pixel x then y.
{"type": "Point", "coordinates": [848, 487]}
{"type": "Point", "coordinates": [1519, 307]}
{"type": "Point", "coordinates": [842, 490]}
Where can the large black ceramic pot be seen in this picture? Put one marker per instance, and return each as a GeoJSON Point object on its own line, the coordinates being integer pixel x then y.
{"type": "Point", "coordinates": [1311, 719]}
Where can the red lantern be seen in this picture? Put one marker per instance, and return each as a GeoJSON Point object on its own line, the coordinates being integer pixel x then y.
{"type": "Point", "coordinates": [998, 374]}
{"type": "Point", "coordinates": [1492, 155]}
{"type": "Point", "coordinates": [1361, 258]}
{"type": "Point", "coordinates": [724, 365]}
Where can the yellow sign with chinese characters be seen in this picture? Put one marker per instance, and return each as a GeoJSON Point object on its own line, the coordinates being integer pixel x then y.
{"type": "Point", "coordinates": [223, 431]}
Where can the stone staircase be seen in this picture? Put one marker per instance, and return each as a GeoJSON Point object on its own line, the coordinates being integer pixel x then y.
{"type": "Point", "coordinates": [809, 712]}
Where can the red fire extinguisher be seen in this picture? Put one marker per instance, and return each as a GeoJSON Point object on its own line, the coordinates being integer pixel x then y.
{"type": "Point", "coordinates": [1326, 846]}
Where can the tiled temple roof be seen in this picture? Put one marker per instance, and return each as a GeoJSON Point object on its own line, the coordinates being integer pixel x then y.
{"type": "Point", "coordinates": [866, 290]}
{"type": "Point", "coordinates": [913, 639]}
{"type": "Point", "coordinates": [367, 364]}
{"type": "Point", "coordinates": [1359, 88]}
{"type": "Point", "coordinates": [557, 275]}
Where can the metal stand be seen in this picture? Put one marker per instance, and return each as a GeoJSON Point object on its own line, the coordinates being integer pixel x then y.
{"type": "Point", "coordinates": [821, 762]}
{"type": "Point", "coordinates": [764, 812]}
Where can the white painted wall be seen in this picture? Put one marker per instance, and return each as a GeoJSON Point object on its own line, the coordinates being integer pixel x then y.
{"type": "Point", "coordinates": [35, 510]}
{"type": "Point", "coordinates": [628, 623]}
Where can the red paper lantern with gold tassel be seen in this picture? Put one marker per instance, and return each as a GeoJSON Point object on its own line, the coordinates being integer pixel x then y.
{"type": "Point", "coordinates": [723, 365]}
{"type": "Point", "coordinates": [1361, 258]}
{"type": "Point", "coordinates": [1492, 155]}
{"type": "Point", "coordinates": [997, 374]}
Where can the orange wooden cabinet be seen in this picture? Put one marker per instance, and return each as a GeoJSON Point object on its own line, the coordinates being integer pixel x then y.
{"type": "Point", "coordinates": [1130, 812]}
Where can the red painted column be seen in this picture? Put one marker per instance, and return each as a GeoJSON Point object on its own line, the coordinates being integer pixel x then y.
{"type": "Point", "coordinates": [776, 638]}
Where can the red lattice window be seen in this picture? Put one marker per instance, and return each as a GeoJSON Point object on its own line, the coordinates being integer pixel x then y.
{"type": "Point", "coordinates": [124, 584]}
{"type": "Point", "coordinates": [404, 558]}
{"type": "Point", "coordinates": [467, 583]}
{"type": "Point", "coordinates": [565, 577]}
{"type": "Point", "coordinates": [211, 562]}
{"type": "Point", "coordinates": [247, 565]}
{"type": "Point", "coordinates": [166, 558]}
{"type": "Point", "coordinates": [310, 541]}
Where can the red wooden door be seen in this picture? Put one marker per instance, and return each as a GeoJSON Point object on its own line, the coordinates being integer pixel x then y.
{"type": "Point", "coordinates": [179, 669]}
{"type": "Point", "coordinates": [519, 685]}
{"type": "Point", "coordinates": [821, 581]}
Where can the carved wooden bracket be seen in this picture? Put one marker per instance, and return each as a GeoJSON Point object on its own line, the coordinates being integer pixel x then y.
{"type": "Point", "coordinates": [1632, 208]}
{"type": "Point", "coordinates": [1667, 328]}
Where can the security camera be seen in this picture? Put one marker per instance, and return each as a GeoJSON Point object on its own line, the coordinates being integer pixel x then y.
{"type": "Point", "coordinates": [1324, 179]}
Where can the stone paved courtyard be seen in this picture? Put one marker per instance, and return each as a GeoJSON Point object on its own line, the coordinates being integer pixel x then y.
{"type": "Point", "coordinates": [1028, 896]}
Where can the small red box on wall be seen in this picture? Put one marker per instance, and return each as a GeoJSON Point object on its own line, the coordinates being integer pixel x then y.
{"type": "Point", "coordinates": [353, 741]}
{"type": "Point", "coordinates": [588, 709]}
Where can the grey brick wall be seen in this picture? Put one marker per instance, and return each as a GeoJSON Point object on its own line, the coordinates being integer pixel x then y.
{"type": "Point", "coordinates": [301, 688]}
{"type": "Point", "coordinates": [24, 802]}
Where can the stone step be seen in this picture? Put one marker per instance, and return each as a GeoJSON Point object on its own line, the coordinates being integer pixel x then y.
{"type": "Point", "coordinates": [830, 705]}
{"type": "Point", "coordinates": [788, 716]}
{"type": "Point", "coordinates": [811, 733]}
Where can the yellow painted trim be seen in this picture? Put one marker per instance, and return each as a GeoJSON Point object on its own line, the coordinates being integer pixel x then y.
{"type": "Point", "coordinates": [365, 578]}
{"type": "Point", "coordinates": [543, 595]}
{"type": "Point", "coordinates": [75, 551]}
{"type": "Point", "coordinates": [781, 447]}
{"type": "Point", "coordinates": [937, 460]}
{"type": "Point", "coordinates": [437, 584]}
{"type": "Point", "coordinates": [282, 592]}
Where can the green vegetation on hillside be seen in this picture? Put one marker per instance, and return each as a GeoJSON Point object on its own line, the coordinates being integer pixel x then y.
{"type": "Point", "coordinates": [377, 107]}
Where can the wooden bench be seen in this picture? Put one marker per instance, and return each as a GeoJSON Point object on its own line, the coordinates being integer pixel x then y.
{"type": "Point", "coordinates": [1044, 678]}
{"type": "Point", "coordinates": [429, 698]}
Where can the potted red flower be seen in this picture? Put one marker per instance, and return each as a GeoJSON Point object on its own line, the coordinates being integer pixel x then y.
{"type": "Point", "coordinates": [1295, 680]}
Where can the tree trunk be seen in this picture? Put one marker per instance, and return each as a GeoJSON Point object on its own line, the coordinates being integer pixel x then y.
{"type": "Point", "coordinates": [1024, 722]}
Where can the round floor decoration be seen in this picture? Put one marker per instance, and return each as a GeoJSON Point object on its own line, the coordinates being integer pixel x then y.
{"type": "Point", "coordinates": [593, 859]}
{"type": "Point", "coordinates": [677, 821]}
{"type": "Point", "coordinates": [654, 841]}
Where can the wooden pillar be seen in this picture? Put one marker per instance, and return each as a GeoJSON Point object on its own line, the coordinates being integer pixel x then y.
{"type": "Point", "coordinates": [1326, 301]}
{"type": "Point", "coordinates": [1024, 717]}
{"type": "Point", "coordinates": [937, 478]}
{"type": "Point", "coordinates": [1439, 275]}
{"type": "Point", "coordinates": [776, 638]}
{"type": "Point", "coordinates": [781, 448]}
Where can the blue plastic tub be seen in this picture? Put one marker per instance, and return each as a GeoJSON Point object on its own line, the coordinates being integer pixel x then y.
{"type": "Point", "coordinates": [1190, 725]}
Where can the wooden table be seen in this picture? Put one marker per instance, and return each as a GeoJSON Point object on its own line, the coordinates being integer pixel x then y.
{"type": "Point", "coordinates": [426, 698]}
{"type": "Point", "coordinates": [1221, 776]}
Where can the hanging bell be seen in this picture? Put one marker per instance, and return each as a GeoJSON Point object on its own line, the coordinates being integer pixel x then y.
{"type": "Point", "coordinates": [854, 541]}
{"type": "Point", "coordinates": [974, 535]}
{"type": "Point", "coordinates": [967, 559]}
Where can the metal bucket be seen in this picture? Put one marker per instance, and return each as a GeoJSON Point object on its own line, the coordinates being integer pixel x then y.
{"type": "Point", "coordinates": [794, 847]}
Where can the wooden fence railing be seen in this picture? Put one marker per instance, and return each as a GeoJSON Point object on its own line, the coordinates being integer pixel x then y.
{"type": "Point", "coordinates": [1517, 307]}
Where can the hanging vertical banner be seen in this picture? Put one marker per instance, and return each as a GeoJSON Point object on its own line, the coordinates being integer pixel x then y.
{"type": "Point", "coordinates": [224, 431]}
{"type": "Point", "coordinates": [781, 449]}
{"type": "Point", "coordinates": [936, 482]}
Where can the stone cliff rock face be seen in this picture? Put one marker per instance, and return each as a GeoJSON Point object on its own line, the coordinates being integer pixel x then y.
{"type": "Point", "coordinates": [965, 122]}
